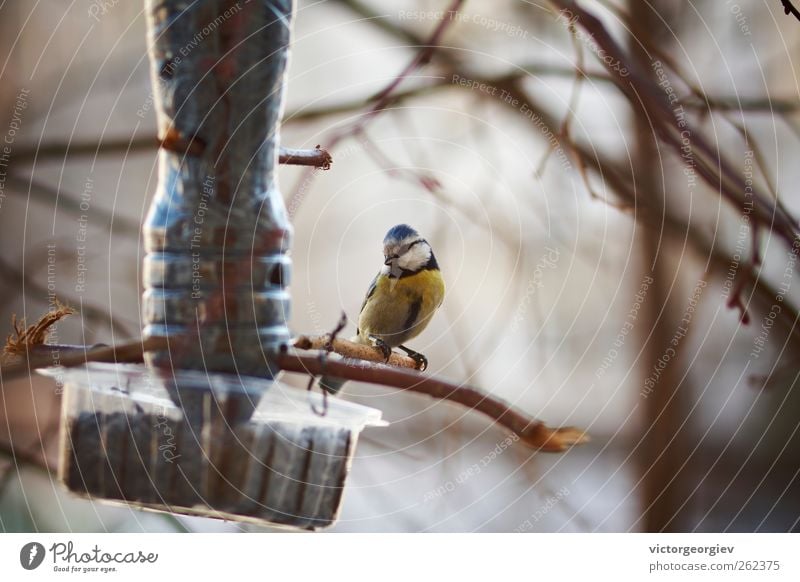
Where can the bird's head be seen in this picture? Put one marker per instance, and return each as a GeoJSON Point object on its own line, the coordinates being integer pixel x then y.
{"type": "Point", "coordinates": [404, 250]}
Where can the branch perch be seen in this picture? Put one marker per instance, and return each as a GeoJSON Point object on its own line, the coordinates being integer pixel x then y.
{"type": "Point", "coordinates": [350, 349]}
{"type": "Point", "coordinates": [367, 369]}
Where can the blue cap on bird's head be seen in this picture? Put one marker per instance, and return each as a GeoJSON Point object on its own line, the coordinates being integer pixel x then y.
{"type": "Point", "coordinates": [399, 232]}
{"type": "Point", "coordinates": [405, 252]}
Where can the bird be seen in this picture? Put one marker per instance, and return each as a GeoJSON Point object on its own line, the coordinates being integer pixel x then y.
{"type": "Point", "coordinates": [401, 299]}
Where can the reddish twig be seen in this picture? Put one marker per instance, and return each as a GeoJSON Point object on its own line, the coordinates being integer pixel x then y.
{"type": "Point", "coordinates": [317, 157]}
{"type": "Point", "coordinates": [533, 432]}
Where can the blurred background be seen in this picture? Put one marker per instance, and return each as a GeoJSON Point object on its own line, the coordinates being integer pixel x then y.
{"type": "Point", "coordinates": [594, 278]}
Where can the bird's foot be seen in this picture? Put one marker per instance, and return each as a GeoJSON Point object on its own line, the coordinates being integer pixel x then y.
{"type": "Point", "coordinates": [382, 346]}
{"type": "Point", "coordinates": [422, 361]}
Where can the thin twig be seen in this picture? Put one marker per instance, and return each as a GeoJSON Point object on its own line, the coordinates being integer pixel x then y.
{"type": "Point", "coordinates": [621, 182]}
{"type": "Point", "coordinates": [316, 158]}
{"type": "Point", "coordinates": [385, 97]}
{"type": "Point", "coordinates": [331, 337]}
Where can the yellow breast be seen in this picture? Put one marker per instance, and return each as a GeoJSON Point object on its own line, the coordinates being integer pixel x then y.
{"type": "Point", "coordinates": [399, 309]}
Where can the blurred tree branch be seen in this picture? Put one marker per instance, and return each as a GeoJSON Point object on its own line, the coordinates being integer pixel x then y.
{"type": "Point", "coordinates": [646, 98]}
{"type": "Point", "coordinates": [70, 203]}
{"type": "Point", "coordinates": [40, 292]}
{"type": "Point", "coordinates": [618, 178]}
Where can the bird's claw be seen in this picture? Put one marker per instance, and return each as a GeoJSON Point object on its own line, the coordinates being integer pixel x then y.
{"type": "Point", "coordinates": [421, 361]}
{"type": "Point", "coordinates": [383, 347]}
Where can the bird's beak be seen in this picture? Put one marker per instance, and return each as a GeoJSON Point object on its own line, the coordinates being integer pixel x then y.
{"type": "Point", "coordinates": [388, 261]}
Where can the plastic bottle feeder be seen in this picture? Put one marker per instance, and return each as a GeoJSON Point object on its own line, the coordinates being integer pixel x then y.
{"type": "Point", "coordinates": [124, 439]}
{"type": "Point", "coordinates": [203, 428]}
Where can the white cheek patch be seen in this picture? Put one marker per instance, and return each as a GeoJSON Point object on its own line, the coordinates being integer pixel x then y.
{"type": "Point", "coordinates": [416, 257]}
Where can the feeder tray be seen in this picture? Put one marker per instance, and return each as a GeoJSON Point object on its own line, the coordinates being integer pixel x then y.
{"type": "Point", "coordinates": [124, 439]}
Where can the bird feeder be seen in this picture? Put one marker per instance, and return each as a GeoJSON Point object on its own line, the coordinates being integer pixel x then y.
{"type": "Point", "coordinates": [124, 439]}
{"type": "Point", "coordinates": [203, 428]}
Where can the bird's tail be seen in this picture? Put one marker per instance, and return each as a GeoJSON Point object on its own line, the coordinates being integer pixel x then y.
{"type": "Point", "coordinates": [331, 385]}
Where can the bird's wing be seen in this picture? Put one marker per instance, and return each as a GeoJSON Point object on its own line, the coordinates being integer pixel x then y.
{"type": "Point", "coordinates": [413, 314]}
{"type": "Point", "coordinates": [370, 292]}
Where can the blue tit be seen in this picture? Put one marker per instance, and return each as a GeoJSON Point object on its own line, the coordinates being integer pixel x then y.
{"type": "Point", "coordinates": [402, 298]}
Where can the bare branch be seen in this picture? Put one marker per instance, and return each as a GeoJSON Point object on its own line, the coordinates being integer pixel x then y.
{"type": "Point", "coordinates": [621, 182]}
{"type": "Point", "coordinates": [738, 104]}
{"type": "Point", "coordinates": [533, 432]}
